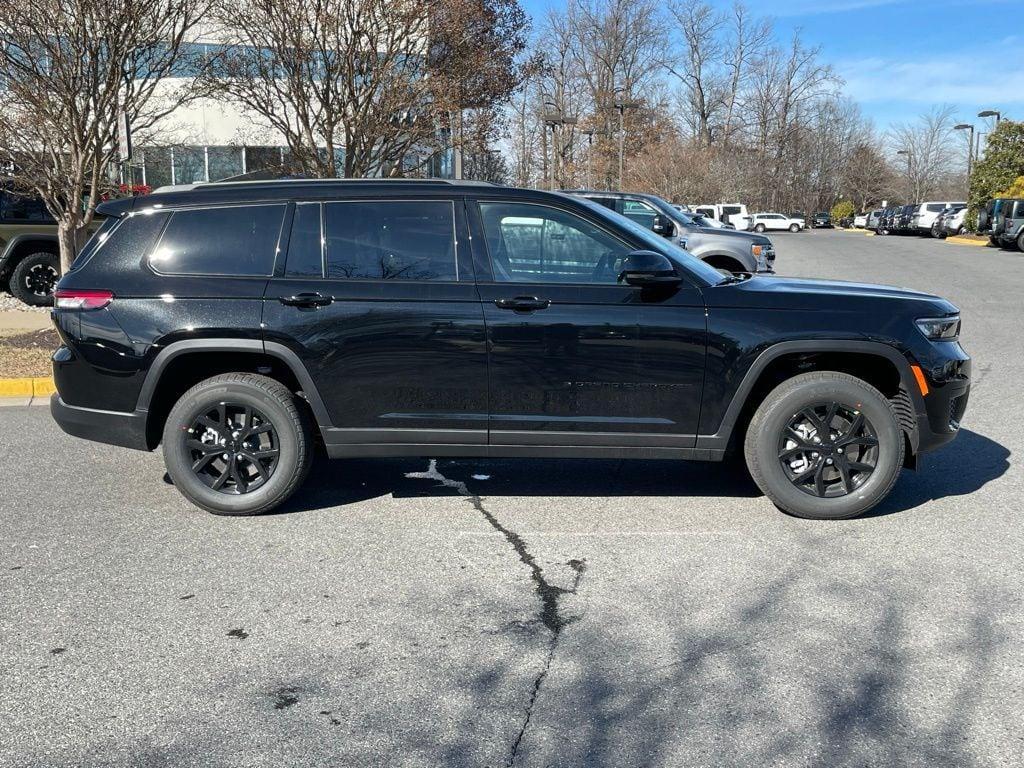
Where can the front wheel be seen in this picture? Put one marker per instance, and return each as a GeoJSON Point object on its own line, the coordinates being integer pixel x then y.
{"type": "Point", "coordinates": [237, 444]}
{"type": "Point", "coordinates": [825, 445]}
{"type": "Point", "coordinates": [794, 227]}
{"type": "Point", "coordinates": [35, 277]}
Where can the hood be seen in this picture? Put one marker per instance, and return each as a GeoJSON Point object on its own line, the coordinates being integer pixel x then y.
{"type": "Point", "coordinates": [734, 234]}
{"type": "Point", "coordinates": [828, 295]}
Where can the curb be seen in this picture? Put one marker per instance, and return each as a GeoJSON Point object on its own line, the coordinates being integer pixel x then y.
{"type": "Point", "coordinates": [31, 387]}
{"type": "Point", "coordinates": [967, 241]}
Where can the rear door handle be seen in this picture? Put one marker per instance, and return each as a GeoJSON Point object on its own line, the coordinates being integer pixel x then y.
{"type": "Point", "coordinates": [307, 300]}
{"type": "Point", "coordinates": [523, 303]}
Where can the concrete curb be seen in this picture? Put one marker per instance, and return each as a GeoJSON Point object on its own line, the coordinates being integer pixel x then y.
{"type": "Point", "coordinates": [967, 241]}
{"type": "Point", "coordinates": [30, 387]}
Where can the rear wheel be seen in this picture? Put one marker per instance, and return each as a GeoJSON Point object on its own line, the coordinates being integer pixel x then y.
{"type": "Point", "coordinates": [1020, 242]}
{"type": "Point", "coordinates": [237, 444]}
{"type": "Point", "coordinates": [825, 445]}
{"type": "Point", "coordinates": [35, 277]}
{"type": "Point", "coordinates": [759, 227]}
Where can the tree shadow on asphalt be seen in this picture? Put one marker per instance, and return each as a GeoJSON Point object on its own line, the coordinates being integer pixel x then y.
{"type": "Point", "coordinates": [967, 464]}
{"type": "Point", "coordinates": [812, 665]}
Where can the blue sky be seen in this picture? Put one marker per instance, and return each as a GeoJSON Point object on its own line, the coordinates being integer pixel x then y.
{"type": "Point", "coordinates": [901, 58]}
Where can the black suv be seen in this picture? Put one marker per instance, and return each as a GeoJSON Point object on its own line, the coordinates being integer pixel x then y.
{"type": "Point", "coordinates": [236, 323]}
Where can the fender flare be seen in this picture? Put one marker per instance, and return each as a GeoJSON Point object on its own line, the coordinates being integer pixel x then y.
{"type": "Point", "coordinates": [18, 239]}
{"type": "Point", "coordinates": [720, 439]}
{"type": "Point", "coordinates": [726, 254]}
{"type": "Point", "coordinates": [269, 348]}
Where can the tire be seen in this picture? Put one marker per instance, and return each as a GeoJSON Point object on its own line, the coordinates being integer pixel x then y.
{"type": "Point", "coordinates": [289, 434]}
{"type": "Point", "coordinates": [34, 278]}
{"type": "Point", "coordinates": [759, 227]}
{"type": "Point", "coordinates": [794, 227]}
{"type": "Point", "coordinates": [1020, 242]}
{"type": "Point", "coordinates": [767, 441]}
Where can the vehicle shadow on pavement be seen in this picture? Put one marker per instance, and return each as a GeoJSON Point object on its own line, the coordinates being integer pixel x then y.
{"type": "Point", "coordinates": [347, 481]}
{"type": "Point", "coordinates": [967, 464]}
{"type": "Point", "coordinates": [960, 468]}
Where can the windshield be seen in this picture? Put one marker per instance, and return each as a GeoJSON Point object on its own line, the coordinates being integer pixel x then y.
{"type": "Point", "coordinates": [657, 243]}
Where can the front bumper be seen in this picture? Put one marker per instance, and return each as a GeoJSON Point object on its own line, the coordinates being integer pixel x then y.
{"type": "Point", "coordinates": [112, 427]}
{"type": "Point", "coordinates": [944, 405]}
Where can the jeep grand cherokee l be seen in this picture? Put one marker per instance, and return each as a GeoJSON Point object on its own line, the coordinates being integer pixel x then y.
{"type": "Point", "coordinates": [236, 322]}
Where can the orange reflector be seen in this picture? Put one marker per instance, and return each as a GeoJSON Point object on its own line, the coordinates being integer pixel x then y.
{"type": "Point", "coordinates": [922, 383]}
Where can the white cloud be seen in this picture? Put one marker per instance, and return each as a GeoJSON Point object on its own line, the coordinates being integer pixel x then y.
{"type": "Point", "coordinates": [970, 77]}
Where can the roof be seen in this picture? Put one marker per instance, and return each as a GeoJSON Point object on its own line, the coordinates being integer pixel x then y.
{"type": "Point", "coordinates": [281, 190]}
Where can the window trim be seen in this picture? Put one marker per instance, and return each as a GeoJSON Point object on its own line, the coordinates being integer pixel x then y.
{"type": "Point", "coordinates": [513, 201]}
{"type": "Point", "coordinates": [394, 281]}
{"type": "Point", "coordinates": [148, 258]}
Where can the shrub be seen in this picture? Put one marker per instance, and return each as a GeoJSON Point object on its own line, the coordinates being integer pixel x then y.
{"type": "Point", "coordinates": [842, 210]}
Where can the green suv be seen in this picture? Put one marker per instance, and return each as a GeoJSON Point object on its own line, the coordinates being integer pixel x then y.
{"type": "Point", "coordinates": [29, 254]}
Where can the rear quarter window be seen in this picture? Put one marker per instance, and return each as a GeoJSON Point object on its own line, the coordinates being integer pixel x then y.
{"type": "Point", "coordinates": [228, 240]}
{"type": "Point", "coordinates": [120, 241]}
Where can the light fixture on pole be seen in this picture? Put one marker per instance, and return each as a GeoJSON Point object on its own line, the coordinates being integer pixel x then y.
{"type": "Point", "coordinates": [970, 147]}
{"type": "Point", "coordinates": [991, 113]}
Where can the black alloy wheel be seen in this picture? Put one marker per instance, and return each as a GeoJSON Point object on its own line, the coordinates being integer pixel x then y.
{"type": "Point", "coordinates": [234, 448]}
{"type": "Point", "coordinates": [828, 450]}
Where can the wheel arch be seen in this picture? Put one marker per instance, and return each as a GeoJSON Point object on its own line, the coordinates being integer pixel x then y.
{"type": "Point", "coordinates": [722, 260]}
{"type": "Point", "coordinates": [23, 245]}
{"type": "Point", "coordinates": [182, 364]}
{"type": "Point", "coordinates": [881, 365]}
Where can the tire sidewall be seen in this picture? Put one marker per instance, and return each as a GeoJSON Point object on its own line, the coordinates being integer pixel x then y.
{"type": "Point", "coordinates": [875, 409]}
{"type": "Point", "coordinates": [20, 291]}
{"type": "Point", "coordinates": [177, 459]}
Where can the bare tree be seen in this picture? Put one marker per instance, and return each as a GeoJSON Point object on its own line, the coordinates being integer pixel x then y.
{"type": "Point", "coordinates": [867, 176]}
{"type": "Point", "coordinates": [372, 80]}
{"type": "Point", "coordinates": [70, 72]}
{"type": "Point", "coordinates": [927, 147]}
{"type": "Point", "coordinates": [699, 65]}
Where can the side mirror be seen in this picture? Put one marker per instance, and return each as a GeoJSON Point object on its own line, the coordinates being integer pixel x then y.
{"type": "Point", "coordinates": [662, 225]}
{"type": "Point", "coordinates": [648, 268]}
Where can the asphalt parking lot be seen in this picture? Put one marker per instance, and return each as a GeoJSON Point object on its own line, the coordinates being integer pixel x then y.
{"type": "Point", "coordinates": [561, 613]}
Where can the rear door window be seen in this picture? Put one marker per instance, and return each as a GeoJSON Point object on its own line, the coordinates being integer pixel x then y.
{"type": "Point", "coordinates": [391, 240]}
{"type": "Point", "coordinates": [640, 212]}
{"type": "Point", "coordinates": [230, 240]}
{"type": "Point", "coordinates": [607, 202]}
{"type": "Point", "coordinates": [935, 207]}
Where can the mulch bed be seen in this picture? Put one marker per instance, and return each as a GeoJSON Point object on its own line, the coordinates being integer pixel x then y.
{"type": "Point", "coordinates": [27, 354]}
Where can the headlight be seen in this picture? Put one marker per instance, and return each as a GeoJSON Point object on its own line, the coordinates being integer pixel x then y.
{"type": "Point", "coordinates": [940, 328]}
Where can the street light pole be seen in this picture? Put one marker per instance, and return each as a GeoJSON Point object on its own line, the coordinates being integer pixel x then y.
{"type": "Point", "coordinates": [970, 148]}
{"type": "Point", "coordinates": [622, 106]}
{"type": "Point", "coordinates": [910, 191]}
{"type": "Point", "coordinates": [991, 113]}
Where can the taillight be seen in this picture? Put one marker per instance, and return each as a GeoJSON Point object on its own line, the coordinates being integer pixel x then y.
{"type": "Point", "coordinates": [80, 299]}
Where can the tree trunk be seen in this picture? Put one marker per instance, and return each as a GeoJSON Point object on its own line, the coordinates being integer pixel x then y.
{"type": "Point", "coordinates": [67, 238]}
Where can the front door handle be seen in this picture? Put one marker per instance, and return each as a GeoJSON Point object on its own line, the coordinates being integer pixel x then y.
{"type": "Point", "coordinates": [307, 300]}
{"type": "Point", "coordinates": [523, 303]}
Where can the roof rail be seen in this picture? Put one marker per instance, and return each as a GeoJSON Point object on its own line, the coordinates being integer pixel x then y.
{"type": "Point", "coordinates": [317, 181]}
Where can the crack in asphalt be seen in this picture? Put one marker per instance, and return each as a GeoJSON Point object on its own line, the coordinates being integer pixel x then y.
{"type": "Point", "coordinates": [550, 594]}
